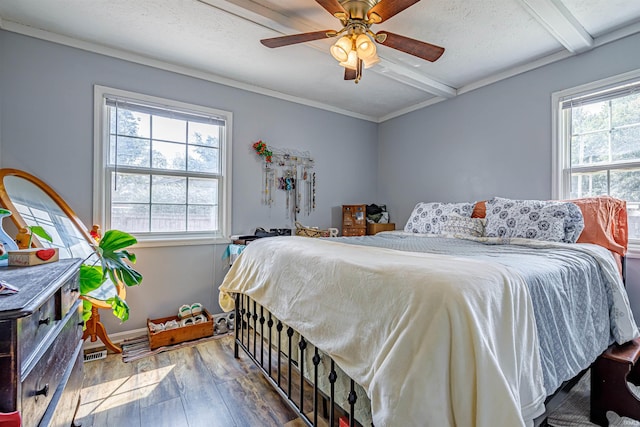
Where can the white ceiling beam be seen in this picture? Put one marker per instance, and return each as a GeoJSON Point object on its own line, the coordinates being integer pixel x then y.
{"type": "Point", "coordinates": [263, 16]}
{"type": "Point", "coordinates": [407, 76]}
{"type": "Point", "coordinates": [556, 18]}
{"type": "Point", "coordinates": [268, 18]}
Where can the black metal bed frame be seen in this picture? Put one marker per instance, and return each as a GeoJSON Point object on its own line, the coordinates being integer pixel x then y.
{"type": "Point", "coordinates": [249, 316]}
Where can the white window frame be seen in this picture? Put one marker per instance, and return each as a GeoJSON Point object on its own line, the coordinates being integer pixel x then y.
{"type": "Point", "coordinates": [560, 155]}
{"type": "Point", "coordinates": [101, 181]}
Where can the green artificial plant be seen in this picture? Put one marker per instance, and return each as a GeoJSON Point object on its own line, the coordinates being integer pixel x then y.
{"type": "Point", "coordinates": [38, 231]}
{"type": "Point", "coordinates": [110, 264]}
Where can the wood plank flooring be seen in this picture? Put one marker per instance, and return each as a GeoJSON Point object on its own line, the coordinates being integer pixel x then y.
{"type": "Point", "coordinates": [203, 385]}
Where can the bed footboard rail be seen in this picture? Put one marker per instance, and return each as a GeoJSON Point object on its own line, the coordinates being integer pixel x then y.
{"type": "Point", "coordinates": [283, 366]}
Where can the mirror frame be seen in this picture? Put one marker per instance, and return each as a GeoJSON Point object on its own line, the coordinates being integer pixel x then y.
{"type": "Point", "coordinates": [5, 201]}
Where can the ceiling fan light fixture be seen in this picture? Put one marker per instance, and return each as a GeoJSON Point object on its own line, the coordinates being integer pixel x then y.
{"type": "Point", "coordinates": [356, 48]}
{"type": "Point", "coordinates": [374, 18]}
{"type": "Point", "coordinates": [371, 61]}
{"type": "Point", "coordinates": [352, 61]}
{"type": "Point", "coordinates": [365, 47]}
{"type": "Point", "coordinates": [340, 50]}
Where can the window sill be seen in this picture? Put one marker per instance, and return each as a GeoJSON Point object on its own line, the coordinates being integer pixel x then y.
{"type": "Point", "coordinates": [154, 242]}
{"type": "Point", "coordinates": [633, 251]}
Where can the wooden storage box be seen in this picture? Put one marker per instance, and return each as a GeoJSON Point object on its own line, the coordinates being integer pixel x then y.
{"type": "Point", "coordinates": [33, 256]}
{"type": "Point", "coordinates": [354, 221]}
{"type": "Point", "coordinates": [180, 334]}
{"type": "Point", "coordinates": [373, 228]}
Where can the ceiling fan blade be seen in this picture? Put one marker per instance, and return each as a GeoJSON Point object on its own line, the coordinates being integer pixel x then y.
{"type": "Point", "coordinates": [350, 74]}
{"type": "Point", "coordinates": [423, 50]}
{"type": "Point", "coordinates": [297, 38]}
{"type": "Point", "coordinates": [385, 9]}
{"type": "Point", "coordinates": [334, 8]}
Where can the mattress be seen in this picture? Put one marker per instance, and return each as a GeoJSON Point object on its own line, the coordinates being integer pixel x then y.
{"type": "Point", "coordinates": [572, 301]}
{"type": "Point", "coordinates": [449, 311]}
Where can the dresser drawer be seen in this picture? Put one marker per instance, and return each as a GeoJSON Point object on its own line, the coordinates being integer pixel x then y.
{"type": "Point", "coordinates": [40, 384]}
{"type": "Point", "coordinates": [33, 329]}
{"type": "Point", "coordinates": [354, 232]}
{"type": "Point", "coordinates": [64, 405]}
{"type": "Point", "coordinates": [69, 293]}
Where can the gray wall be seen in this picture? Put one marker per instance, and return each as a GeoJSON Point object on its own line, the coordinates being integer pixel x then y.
{"type": "Point", "coordinates": [47, 129]}
{"type": "Point", "coordinates": [494, 141]}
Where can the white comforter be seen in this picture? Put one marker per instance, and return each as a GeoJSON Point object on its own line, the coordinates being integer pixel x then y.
{"type": "Point", "coordinates": [434, 340]}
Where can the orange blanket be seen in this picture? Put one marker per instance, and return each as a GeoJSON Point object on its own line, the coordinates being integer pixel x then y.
{"type": "Point", "coordinates": [605, 222]}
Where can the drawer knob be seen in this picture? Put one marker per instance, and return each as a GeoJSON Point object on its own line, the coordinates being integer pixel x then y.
{"type": "Point", "coordinates": [81, 323]}
{"type": "Point", "coordinates": [76, 289]}
{"type": "Point", "coordinates": [44, 391]}
{"type": "Point", "coordinates": [44, 321]}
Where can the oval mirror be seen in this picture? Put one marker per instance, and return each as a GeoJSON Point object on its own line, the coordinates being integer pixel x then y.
{"type": "Point", "coordinates": [32, 202]}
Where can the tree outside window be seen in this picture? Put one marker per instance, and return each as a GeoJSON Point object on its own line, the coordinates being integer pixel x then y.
{"type": "Point", "coordinates": [601, 134]}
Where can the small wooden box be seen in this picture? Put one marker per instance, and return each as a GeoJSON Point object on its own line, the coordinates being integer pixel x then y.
{"type": "Point", "coordinates": [373, 228]}
{"type": "Point", "coordinates": [33, 256]}
{"type": "Point", "coordinates": [180, 334]}
{"type": "Point", "coordinates": [354, 221]}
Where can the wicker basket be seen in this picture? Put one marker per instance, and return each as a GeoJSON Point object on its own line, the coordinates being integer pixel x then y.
{"type": "Point", "coordinates": [303, 231]}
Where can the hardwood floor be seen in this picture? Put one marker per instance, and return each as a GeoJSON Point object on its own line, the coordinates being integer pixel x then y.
{"type": "Point", "coordinates": [203, 385]}
{"type": "Point", "coordinates": [198, 386]}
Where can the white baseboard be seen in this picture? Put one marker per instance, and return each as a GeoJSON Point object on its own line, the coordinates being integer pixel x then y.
{"type": "Point", "coordinates": [116, 338]}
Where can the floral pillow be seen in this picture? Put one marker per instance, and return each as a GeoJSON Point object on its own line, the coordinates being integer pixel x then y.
{"type": "Point", "coordinates": [534, 219]}
{"type": "Point", "coordinates": [473, 227]}
{"type": "Point", "coordinates": [428, 217]}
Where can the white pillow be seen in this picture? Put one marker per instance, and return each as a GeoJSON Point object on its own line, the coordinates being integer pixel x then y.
{"type": "Point", "coordinates": [461, 225]}
{"type": "Point", "coordinates": [428, 217]}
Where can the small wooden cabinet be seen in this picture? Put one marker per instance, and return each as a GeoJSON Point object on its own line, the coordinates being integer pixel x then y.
{"type": "Point", "coordinates": [354, 220]}
{"type": "Point", "coordinates": [41, 343]}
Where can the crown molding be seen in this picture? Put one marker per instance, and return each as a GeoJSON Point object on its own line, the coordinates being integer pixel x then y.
{"type": "Point", "coordinates": [167, 66]}
{"type": "Point", "coordinates": [140, 59]}
{"type": "Point", "coordinates": [411, 108]}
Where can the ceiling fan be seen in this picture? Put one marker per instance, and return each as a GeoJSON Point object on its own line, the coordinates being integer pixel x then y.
{"type": "Point", "coordinates": [355, 49]}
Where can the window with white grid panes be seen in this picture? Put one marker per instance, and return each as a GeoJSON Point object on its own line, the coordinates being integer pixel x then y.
{"type": "Point", "coordinates": [164, 167]}
{"type": "Point", "coordinates": [599, 145]}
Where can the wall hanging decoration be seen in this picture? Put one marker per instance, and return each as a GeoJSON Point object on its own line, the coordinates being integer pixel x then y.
{"type": "Point", "coordinates": [290, 171]}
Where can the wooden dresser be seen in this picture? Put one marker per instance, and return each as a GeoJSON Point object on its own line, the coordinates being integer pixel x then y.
{"type": "Point", "coordinates": [354, 220]}
{"type": "Point", "coordinates": [41, 359]}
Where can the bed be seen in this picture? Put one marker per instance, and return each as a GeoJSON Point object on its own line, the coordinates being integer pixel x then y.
{"type": "Point", "coordinates": [438, 329]}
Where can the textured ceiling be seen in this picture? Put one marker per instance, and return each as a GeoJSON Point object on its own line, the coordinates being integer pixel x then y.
{"type": "Point", "coordinates": [484, 40]}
